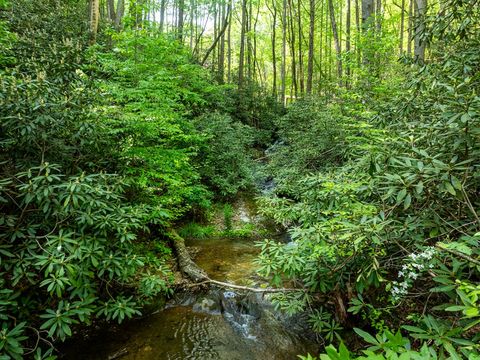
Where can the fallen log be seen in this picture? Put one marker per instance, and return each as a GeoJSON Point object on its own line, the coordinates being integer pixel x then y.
{"type": "Point", "coordinates": [199, 276]}
{"type": "Point", "coordinates": [185, 263]}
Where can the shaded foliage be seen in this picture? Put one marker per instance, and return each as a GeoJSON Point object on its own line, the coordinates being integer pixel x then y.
{"type": "Point", "coordinates": [395, 227]}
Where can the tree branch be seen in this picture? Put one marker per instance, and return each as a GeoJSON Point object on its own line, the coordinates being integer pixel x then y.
{"type": "Point", "coordinates": [246, 288]}
{"type": "Point", "coordinates": [219, 36]}
{"type": "Point", "coordinates": [458, 253]}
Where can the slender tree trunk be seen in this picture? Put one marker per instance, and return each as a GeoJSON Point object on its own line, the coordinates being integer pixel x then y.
{"type": "Point", "coordinates": [111, 11]}
{"type": "Point", "coordinates": [321, 45]}
{"type": "Point", "coordinates": [328, 43]}
{"type": "Point", "coordinates": [255, 59]}
{"type": "Point", "coordinates": [221, 52]}
{"type": "Point", "coordinates": [348, 41]}
{"type": "Point", "coordinates": [402, 28]}
{"type": "Point", "coordinates": [94, 18]}
{"type": "Point", "coordinates": [101, 10]}
{"type": "Point", "coordinates": [192, 15]}
{"type": "Point", "coordinates": [181, 7]}
{"type": "Point", "coordinates": [357, 38]}
{"type": "Point", "coordinates": [215, 32]}
{"type": "Point", "coordinates": [336, 40]}
{"type": "Point", "coordinates": [198, 43]}
{"type": "Point", "coordinates": [419, 51]}
{"type": "Point", "coordinates": [368, 24]}
{"type": "Point", "coordinates": [410, 27]}
{"type": "Point", "coordinates": [229, 47]}
{"type": "Point", "coordinates": [273, 11]}
{"type": "Point", "coordinates": [241, 60]}
{"type": "Point", "coordinates": [292, 50]}
{"type": "Point", "coordinates": [162, 14]}
{"type": "Point", "coordinates": [300, 49]}
{"type": "Point", "coordinates": [119, 13]}
{"type": "Point", "coordinates": [218, 37]}
{"type": "Point", "coordinates": [367, 11]}
{"type": "Point", "coordinates": [284, 52]}
{"type": "Point", "coordinates": [311, 39]}
{"type": "Point", "coordinates": [249, 40]}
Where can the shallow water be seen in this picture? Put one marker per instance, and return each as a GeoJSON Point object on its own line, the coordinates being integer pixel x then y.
{"type": "Point", "coordinates": [218, 324]}
{"type": "Point", "coordinates": [226, 259]}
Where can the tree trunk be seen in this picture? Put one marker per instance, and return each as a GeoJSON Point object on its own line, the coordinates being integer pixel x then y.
{"type": "Point", "coordinates": [221, 52]}
{"type": "Point", "coordinates": [321, 45]}
{"type": "Point", "coordinates": [368, 24]}
{"type": "Point", "coordinates": [162, 15]}
{"type": "Point", "coordinates": [181, 7]}
{"type": "Point", "coordinates": [357, 38]}
{"type": "Point", "coordinates": [249, 40]}
{"type": "Point", "coordinates": [255, 59]}
{"type": "Point", "coordinates": [273, 11]}
{"type": "Point", "coordinates": [94, 18]}
{"type": "Point", "coordinates": [311, 39]}
{"type": "Point", "coordinates": [367, 11]}
{"type": "Point", "coordinates": [300, 49]}
{"type": "Point", "coordinates": [241, 60]}
{"type": "Point", "coordinates": [219, 36]}
{"type": "Point", "coordinates": [111, 10]}
{"type": "Point", "coordinates": [284, 52]}
{"type": "Point", "coordinates": [402, 27]}
{"type": "Point", "coordinates": [119, 15]}
{"type": "Point", "coordinates": [419, 50]}
{"type": "Point", "coordinates": [348, 41]}
{"type": "Point", "coordinates": [410, 27]}
{"type": "Point", "coordinates": [198, 43]}
{"type": "Point", "coordinates": [229, 47]}
{"type": "Point", "coordinates": [336, 40]}
{"type": "Point", "coordinates": [292, 50]}
{"type": "Point", "coordinates": [192, 15]}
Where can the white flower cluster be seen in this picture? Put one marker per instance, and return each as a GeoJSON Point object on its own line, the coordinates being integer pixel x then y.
{"type": "Point", "coordinates": [416, 265]}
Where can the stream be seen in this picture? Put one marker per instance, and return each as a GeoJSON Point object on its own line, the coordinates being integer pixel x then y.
{"type": "Point", "coordinates": [216, 324]}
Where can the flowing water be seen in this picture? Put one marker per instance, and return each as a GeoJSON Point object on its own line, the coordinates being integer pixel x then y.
{"type": "Point", "coordinates": [218, 324]}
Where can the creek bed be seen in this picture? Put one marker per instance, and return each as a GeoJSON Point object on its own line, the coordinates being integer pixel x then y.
{"type": "Point", "coordinates": [218, 324]}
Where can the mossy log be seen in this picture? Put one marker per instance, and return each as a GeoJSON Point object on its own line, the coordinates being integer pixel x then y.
{"type": "Point", "coordinates": [185, 262]}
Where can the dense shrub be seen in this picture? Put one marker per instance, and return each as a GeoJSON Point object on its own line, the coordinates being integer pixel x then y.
{"type": "Point", "coordinates": [394, 231]}
{"type": "Point", "coordinates": [312, 136]}
{"type": "Point", "coordinates": [224, 157]}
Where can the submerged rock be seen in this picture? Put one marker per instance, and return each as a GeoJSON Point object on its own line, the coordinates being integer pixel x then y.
{"type": "Point", "coordinates": [207, 305]}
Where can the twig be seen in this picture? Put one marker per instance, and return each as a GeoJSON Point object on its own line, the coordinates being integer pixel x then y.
{"type": "Point", "coordinates": [118, 354]}
{"type": "Point", "coordinates": [458, 253]}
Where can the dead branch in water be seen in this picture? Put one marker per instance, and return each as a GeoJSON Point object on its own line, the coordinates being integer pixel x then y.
{"type": "Point", "coordinates": [247, 288]}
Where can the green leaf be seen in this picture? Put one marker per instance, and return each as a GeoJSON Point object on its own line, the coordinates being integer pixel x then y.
{"type": "Point", "coordinates": [456, 183]}
{"type": "Point", "coordinates": [449, 188]}
{"type": "Point", "coordinates": [366, 336]}
{"type": "Point", "coordinates": [407, 202]}
{"type": "Point", "coordinates": [413, 329]}
{"type": "Point", "coordinates": [419, 187]}
{"type": "Point", "coordinates": [455, 308]}
{"type": "Point", "coordinates": [400, 195]}
{"type": "Point", "coordinates": [451, 350]}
